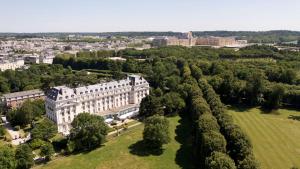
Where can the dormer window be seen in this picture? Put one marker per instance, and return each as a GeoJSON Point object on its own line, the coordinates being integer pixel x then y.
{"type": "Point", "coordinates": [86, 91]}
{"type": "Point", "coordinates": [91, 91]}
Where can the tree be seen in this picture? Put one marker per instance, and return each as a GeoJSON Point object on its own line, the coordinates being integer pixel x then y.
{"type": "Point", "coordinates": [150, 106]}
{"type": "Point", "coordinates": [88, 131]}
{"type": "Point", "coordinates": [199, 106]}
{"type": "Point", "coordinates": [47, 151]}
{"type": "Point", "coordinates": [156, 132]}
{"type": "Point", "coordinates": [289, 76]}
{"type": "Point", "coordinates": [196, 72]}
{"type": "Point", "coordinates": [2, 131]}
{"type": "Point", "coordinates": [44, 130]}
{"type": "Point", "coordinates": [275, 97]}
{"type": "Point", "coordinates": [27, 112]}
{"type": "Point", "coordinates": [248, 163]}
{"type": "Point", "coordinates": [173, 103]}
{"type": "Point", "coordinates": [207, 122]}
{"type": "Point", "coordinates": [238, 143]}
{"type": "Point", "coordinates": [7, 158]}
{"type": "Point", "coordinates": [256, 86]}
{"type": "Point", "coordinates": [24, 157]}
{"type": "Point", "coordinates": [212, 141]}
{"type": "Point", "coordinates": [219, 160]}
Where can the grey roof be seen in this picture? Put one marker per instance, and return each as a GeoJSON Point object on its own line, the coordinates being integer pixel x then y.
{"type": "Point", "coordinates": [24, 93]}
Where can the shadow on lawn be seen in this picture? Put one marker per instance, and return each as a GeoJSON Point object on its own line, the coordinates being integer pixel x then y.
{"type": "Point", "coordinates": [184, 156]}
{"type": "Point", "coordinates": [294, 117]}
{"type": "Point", "coordinates": [140, 149]}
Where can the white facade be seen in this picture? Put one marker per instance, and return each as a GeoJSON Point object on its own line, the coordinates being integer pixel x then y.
{"type": "Point", "coordinates": [12, 65]}
{"type": "Point", "coordinates": [63, 104]}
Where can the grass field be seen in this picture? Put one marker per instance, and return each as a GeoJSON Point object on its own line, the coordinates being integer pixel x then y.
{"type": "Point", "coordinates": [275, 137]}
{"type": "Point", "coordinates": [125, 152]}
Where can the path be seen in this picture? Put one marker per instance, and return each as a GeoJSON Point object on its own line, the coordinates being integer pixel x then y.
{"type": "Point", "coordinates": [115, 132]}
{"type": "Point", "coordinates": [15, 135]}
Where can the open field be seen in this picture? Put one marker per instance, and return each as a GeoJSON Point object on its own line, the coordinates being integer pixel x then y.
{"type": "Point", "coordinates": [125, 151]}
{"type": "Point", "coordinates": [275, 138]}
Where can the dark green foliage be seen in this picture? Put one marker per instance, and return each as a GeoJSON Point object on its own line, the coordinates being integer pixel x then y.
{"type": "Point", "coordinates": [29, 111]}
{"type": "Point", "coordinates": [199, 107]}
{"type": "Point", "coordinates": [7, 158]}
{"type": "Point", "coordinates": [44, 130]}
{"type": "Point", "coordinates": [207, 123]}
{"type": "Point", "coordinates": [173, 103]}
{"type": "Point", "coordinates": [24, 157]}
{"type": "Point", "coordinates": [36, 143]}
{"type": "Point", "coordinates": [212, 141]}
{"type": "Point", "coordinates": [196, 71]}
{"type": "Point", "coordinates": [239, 146]}
{"type": "Point", "coordinates": [47, 151]}
{"type": "Point", "coordinates": [219, 160]}
{"type": "Point", "coordinates": [238, 143]}
{"type": "Point", "coordinates": [274, 100]}
{"type": "Point", "coordinates": [2, 131]}
{"type": "Point", "coordinates": [88, 131]}
{"type": "Point", "coordinates": [156, 132]}
{"type": "Point", "coordinates": [150, 106]}
{"type": "Point", "coordinates": [248, 163]}
{"type": "Point", "coordinates": [255, 88]}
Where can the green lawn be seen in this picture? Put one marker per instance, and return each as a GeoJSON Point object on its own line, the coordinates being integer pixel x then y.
{"type": "Point", "coordinates": [275, 138]}
{"type": "Point", "coordinates": [117, 154]}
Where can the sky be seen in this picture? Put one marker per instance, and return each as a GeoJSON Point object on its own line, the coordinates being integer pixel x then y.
{"type": "Point", "coordinates": [148, 15]}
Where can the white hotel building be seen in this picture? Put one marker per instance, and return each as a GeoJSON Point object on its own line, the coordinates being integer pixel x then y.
{"type": "Point", "coordinates": [115, 98]}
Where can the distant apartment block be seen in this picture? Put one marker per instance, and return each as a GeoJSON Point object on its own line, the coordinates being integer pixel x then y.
{"type": "Point", "coordinates": [11, 64]}
{"type": "Point", "coordinates": [15, 100]}
{"type": "Point", "coordinates": [110, 99]}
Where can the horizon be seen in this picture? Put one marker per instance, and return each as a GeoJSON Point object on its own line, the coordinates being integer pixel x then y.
{"type": "Point", "coordinates": [157, 31]}
{"type": "Point", "coordinates": [35, 16]}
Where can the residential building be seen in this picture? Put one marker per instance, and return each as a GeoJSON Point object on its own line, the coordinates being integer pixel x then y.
{"type": "Point", "coordinates": [108, 99]}
{"type": "Point", "coordinates": [15, 100]}
{"type": "Point", "coordinates": [12, 64]}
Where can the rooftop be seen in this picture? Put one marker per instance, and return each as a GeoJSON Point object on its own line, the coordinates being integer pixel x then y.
{"type": "Point", "coordinates": [23, 93]}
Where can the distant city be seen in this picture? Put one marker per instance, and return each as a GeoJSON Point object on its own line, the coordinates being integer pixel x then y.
{"type": "Point", "coordinates": [21, 50]}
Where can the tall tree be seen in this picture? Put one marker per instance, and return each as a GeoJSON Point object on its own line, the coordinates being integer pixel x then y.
{"type": "Point", "coordinates": [256, 86]}
{"type": "Point", "coordinates": [24, 157]}
{"type": "Point", "coordinates": [88, 131]}
{"type": "Point", "coordinates": [7, 158]}
{"type": "Point", "coordinates": [219, 160]}
{"type": "Point", "coordinates": [47, 151]}
{"type": "Point", "coordinates": [156, 132]}
{"type": "Point", "coordinates": [150, 106]}
{"type": "Point", "coordinates": [44, 130]}
{"type": "Point", "coordinates": [173, 103]}
{"type": "Point", "coordinates": [275, 98]}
